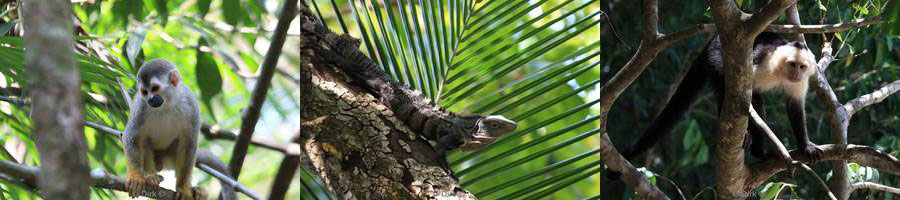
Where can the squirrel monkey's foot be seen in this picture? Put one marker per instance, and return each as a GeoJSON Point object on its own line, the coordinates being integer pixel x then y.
{"type": "Point", "coordinates": [136, 183]}
{"type": "Point", "coordinates": [199, 193]}
{"type": "Point", "coordinates": [154, 179]}
{"type": "Point", "coordinates": [190, 193]}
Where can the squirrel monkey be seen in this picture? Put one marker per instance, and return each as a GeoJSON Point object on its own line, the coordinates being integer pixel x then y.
{"type": "Point", "coordinates": [162, 133]}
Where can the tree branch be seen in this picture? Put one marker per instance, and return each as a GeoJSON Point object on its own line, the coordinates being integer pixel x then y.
{"type": "Point", "coordinates": [231, 182]}
{"type": "Point", "coordinates": [212, 172]}
{"type": "Point", "coordinates": [286, 171]}
{"type": "Point", "coordinates": [824, 28]}
{"type": "Point", "coordinates": [267, 70]}
{"type": "Point", "coordinates": [879, 95]}
{"type": "Point", "coordinates": [98, 177]}
{"type": "Point", "coordinates": [650, 9]}
{"type": "Point", "coordinates": [214, 132]}
{"type": "Point", "coordinates": [875, 186]}
{"type": "Point", "coordinates": [863, 155]}
{"type": "Point", "coordinates": [759, 21]}
{"type": "Point", "coordinates": [783, 153]}
{"type": "Point", "coordinates": [610, 91]}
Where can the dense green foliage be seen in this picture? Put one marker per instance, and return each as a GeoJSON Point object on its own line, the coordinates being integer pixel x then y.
{"type": "Point", "coordinates": [533, 61]}
{"type": "Point", "coordinates": [539, 62]}
{"type": "Point", "coordinates": [867, 59]}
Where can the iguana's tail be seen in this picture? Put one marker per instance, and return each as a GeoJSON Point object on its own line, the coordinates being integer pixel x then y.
{"type": "Point", "coordinates": [343, 50]}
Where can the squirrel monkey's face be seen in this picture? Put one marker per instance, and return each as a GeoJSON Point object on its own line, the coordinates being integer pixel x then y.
{"type": "Point", "coordinates": [158, 80]}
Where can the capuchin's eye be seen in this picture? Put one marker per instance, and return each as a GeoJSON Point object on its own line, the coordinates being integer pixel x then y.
{"type": "Point", "coordinates": [154, 88]}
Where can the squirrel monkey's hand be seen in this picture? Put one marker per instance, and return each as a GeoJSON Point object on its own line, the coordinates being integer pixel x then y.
{"type": "Point", "coordinates": [137, 182]}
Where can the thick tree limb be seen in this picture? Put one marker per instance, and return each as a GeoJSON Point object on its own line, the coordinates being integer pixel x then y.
{"type": "Point", "coordinates": [267, 70]}
{"type": "Point", "coordinates": [99, 178]}
{"type": "Point", "coordinates": [56, 114]}
{"type": "Point", "coordinates": [863, 155]}
{"type": "Point", "coordinates": [740, 29]}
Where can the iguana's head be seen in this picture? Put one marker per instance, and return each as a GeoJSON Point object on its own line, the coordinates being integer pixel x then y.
{"type": "Point", "coordinates": [484, 130]}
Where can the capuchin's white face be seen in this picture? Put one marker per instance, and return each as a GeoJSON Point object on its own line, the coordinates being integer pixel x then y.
{"type": "Point", "coordinates": [793, 61]}
{"type": "Point", "coordinates": [786, 69]}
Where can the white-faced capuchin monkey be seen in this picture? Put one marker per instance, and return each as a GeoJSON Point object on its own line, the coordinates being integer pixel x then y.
{"type": "Point", "coordinates": [779, 66]}
{"type": "Point", "coordinates": [162, 133]}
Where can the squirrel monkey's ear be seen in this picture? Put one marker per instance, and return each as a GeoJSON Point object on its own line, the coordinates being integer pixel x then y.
{"type": "Point", "coordinates": [174, 77]}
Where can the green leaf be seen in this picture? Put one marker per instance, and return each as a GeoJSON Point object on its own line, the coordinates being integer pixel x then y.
{"type": "Point", "coordinates": [771, 190]}
{"type": "Point", "coordinates": [208, 76]}
{"type": "Point", "coordinates": [203, 7]}
{"type": "Point", "coordinates": [231, 10]}
{"type": "Point", "coordinates": [133, 51]}
{"type": "Point", "coordinates": [162, 10]}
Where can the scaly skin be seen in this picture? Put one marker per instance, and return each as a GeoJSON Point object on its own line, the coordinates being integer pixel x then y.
{"type": "Point", "coordinates": [449, 130]}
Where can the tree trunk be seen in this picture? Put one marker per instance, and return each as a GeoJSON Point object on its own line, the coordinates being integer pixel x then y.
{"type": "Point", "coordinates": [55, 91]}
{"type": "Point", "coordinates": [360, 150]}
{"type": "Point", "coordinates": [355, 143]}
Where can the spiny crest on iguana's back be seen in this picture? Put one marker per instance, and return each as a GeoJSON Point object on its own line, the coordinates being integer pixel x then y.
{"type": "Point", "coordinates": [348, 47]}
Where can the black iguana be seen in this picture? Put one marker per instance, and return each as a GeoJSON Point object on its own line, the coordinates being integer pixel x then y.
{"type": "Point", "coordinates": [448, 129]}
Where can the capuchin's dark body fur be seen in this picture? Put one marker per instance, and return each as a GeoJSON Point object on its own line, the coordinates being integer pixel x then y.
{"type": "Point", "coordinates": [779, 65]}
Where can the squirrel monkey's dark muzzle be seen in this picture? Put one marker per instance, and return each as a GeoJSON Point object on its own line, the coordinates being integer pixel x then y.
{"type": "Point", "coordinates": [155, 101]}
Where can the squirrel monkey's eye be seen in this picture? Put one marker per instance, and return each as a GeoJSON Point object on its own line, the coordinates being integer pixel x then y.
{"type": "Point", "coordinates": [154, 88]}
{"type": "Point", "coordinates": [144, 92]}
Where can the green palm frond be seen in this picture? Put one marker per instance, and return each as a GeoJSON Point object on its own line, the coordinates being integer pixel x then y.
{"type": "Point", "coordinates": [533, 61]}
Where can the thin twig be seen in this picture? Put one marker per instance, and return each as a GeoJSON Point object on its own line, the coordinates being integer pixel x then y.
{"type": "Point", "coordinates": [710, 188]}
{"type": "Point", "coordinates": [783, 153]}
{"type": "Point", "coordinates": [231, 182]}
{"type": "Point", "coordinates": [677, 189]}
{"type": "Point", "coordinates": [613, 28]}
{"type": "Point", "coordinates": [818, 179]}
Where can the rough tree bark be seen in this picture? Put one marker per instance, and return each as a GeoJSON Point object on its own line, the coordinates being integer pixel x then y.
{"type": "Point", "coordinates": [56, 111]}
{"type": "Point", "coordinates": [355, 144]}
